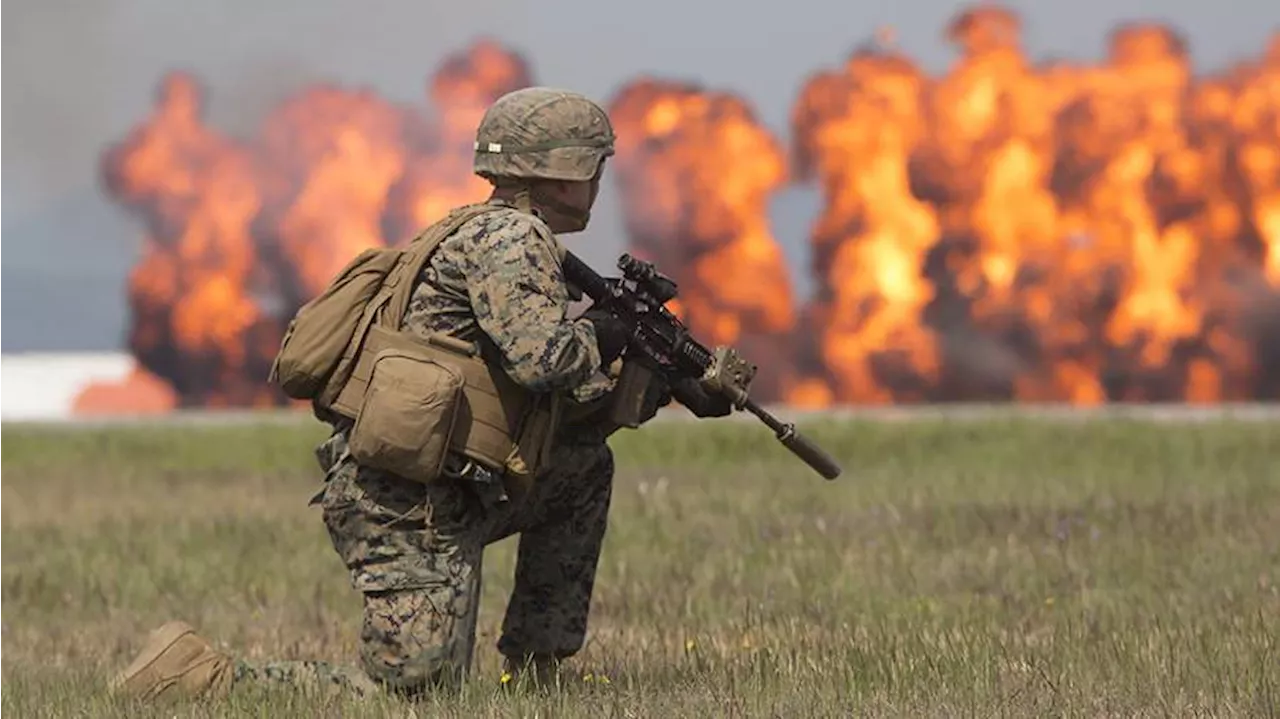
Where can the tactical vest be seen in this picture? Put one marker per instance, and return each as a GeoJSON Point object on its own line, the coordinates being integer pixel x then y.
{"type": "Point", "coordinates": [412, 399]}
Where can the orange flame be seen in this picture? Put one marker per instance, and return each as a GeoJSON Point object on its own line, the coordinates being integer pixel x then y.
{"type": "Point", "coordinates": [240, 234]}
{"type": "Point", "coordinates": [438, 176]}
{"type": "Point", "coordinates": [856, 129]}
{"type": "Point", "coordinates": [332, 155]}
{"type": "Point", "coordinates": [1005, 231]}
{"type": "Point", "coordinates": [190, 293]}
{"type": "Point", "coordinates": [1057, 233]}
{"type": "Point", "coordinates": [696, 170]}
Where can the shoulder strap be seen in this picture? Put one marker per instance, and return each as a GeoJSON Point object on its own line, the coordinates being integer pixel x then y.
{"type": "Point", "coordinates": [398, 288]}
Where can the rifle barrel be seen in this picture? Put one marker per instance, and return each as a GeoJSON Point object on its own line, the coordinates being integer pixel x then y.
{"type": "Point", "coordinates": [801, 446]}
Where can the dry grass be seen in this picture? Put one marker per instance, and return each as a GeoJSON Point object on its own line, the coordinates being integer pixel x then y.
{"type": "Point", "coordinates": [979, 568]}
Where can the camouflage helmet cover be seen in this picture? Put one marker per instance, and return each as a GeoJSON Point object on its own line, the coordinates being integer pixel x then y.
{"type": "Point", "coordinates": [543, 133]}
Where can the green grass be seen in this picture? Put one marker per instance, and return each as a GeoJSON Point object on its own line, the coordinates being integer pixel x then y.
{"type": "Point", "coordinates": [980, 568]}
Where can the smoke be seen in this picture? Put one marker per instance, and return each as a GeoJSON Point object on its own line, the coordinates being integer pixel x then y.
{"type": "Point", "coordinates": [58, 108]}
{"type": "Point", "coordinates": [80, 75]}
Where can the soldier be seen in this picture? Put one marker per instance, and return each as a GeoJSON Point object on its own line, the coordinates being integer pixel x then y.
{"type": "Point", "coordinates": [414, 550]}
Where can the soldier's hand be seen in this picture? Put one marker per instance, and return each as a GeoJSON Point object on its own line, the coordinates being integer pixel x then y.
{"type": "Point", "coordinates": [611, 334]}
{"type": "Point", "coordinates": [689, 393]}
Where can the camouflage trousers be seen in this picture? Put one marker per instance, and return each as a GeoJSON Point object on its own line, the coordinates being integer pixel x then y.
{"type": "Point", "coordinates": [414, 552]}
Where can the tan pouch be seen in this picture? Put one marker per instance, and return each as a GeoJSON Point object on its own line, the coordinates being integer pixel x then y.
{"type": "Point", "coordinates": [408, 415]}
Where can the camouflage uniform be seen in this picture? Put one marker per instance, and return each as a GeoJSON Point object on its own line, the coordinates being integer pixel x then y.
{"type": "Point", "coordinates": [414, 551]}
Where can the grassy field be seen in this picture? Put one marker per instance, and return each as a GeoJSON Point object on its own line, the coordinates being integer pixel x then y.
{"type": "Point", "coordinates": [983, 568]}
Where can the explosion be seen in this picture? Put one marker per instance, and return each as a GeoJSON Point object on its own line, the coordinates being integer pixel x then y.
{"type": "Point", "coordinates": [1009, 230]}
{"type": "Point", "coordinates": [195, 322]}
{"type": "Point", "coordinates": [438, 176]}
{"type": "Point", "coordinates": [242, 233]}
{"type": "Point", "coordinates": [1079, 234]}
{"type": "Point", "coordinates": [855, 132]}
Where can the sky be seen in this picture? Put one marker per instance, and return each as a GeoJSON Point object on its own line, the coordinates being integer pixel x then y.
{"type": "Point", "coordinates": [80, 74]}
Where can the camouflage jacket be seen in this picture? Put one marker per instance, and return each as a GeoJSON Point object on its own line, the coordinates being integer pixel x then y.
{"type": "Point", "coordinates": [497, 281]}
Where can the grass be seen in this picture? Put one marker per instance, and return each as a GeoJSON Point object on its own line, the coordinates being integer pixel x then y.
{"type": "Point", "coordinates": [981, 568]}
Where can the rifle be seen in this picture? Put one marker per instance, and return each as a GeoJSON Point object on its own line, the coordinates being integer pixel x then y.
{"type": "Point", "coordinates": [661, 343]}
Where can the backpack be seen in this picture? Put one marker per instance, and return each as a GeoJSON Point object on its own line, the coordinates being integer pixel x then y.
{"type": "Point", "coordinates": [319, 348]}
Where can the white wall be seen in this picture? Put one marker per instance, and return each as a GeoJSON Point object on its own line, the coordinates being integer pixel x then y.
{"type": "Point", "coordinates": [44, 386]}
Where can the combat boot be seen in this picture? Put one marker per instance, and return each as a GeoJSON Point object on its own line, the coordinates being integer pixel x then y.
{"type": "Point", "coordinates": [176, 662]}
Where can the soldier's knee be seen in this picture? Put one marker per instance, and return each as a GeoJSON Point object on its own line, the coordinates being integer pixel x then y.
{"type": "Point", "coordinates": [409, 646]}
{"type": "Point", "coordinates": [410, 670]}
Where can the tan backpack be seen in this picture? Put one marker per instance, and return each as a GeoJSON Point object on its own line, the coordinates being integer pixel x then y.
{"type": "Point", "coordinates": [412, 399]}
{"type": "Point", "coordinates": [314, 358]}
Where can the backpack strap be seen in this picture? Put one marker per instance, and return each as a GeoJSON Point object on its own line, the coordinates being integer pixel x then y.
{"type": "Point", "coordinates": [388, 306]}
{"type": "Point", "coordinates": [398, 288]}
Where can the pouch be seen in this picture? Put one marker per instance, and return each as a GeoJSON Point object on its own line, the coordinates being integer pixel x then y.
{"type": "Point", "coordinates": [407, 418]}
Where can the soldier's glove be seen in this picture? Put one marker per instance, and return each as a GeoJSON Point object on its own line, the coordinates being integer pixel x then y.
{"type": "Point", "coordinates": [703, 404]}
{"type": "Point", "coordinates": [611, 335]}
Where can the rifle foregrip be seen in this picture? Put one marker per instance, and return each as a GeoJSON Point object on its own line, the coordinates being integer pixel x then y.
{"type": "Point", "coordinates": [812, 455]}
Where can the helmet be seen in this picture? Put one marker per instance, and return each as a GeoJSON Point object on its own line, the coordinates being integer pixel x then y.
{"type": "Point", "coordinates": [543, 133]}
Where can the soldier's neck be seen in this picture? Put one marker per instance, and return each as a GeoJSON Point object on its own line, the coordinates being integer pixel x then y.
{"type": "Point", "coordinates": [516, 197]}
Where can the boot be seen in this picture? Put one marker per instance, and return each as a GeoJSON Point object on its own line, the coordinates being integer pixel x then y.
{"type": "Point", "coordinates": [176, 662]}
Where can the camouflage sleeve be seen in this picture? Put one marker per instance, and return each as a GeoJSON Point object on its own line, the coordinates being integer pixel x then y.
{"type": "Point", "coordinates": [520, 300]}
